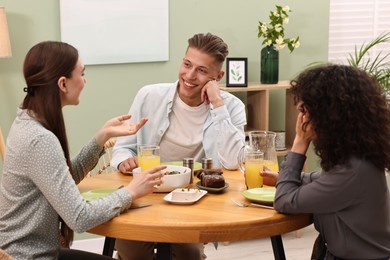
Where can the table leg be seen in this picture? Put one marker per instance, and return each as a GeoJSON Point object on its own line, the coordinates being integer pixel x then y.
{"type": "Point", "coordinates": [164, 251]}
{"type": "Point", "coordinates": [108, 248]}
{"type": "Point", "coordinates": [277, 246]}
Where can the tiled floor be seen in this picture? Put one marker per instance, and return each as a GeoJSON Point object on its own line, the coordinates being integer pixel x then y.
{"type": "Point", "coordinates": [296, 248]}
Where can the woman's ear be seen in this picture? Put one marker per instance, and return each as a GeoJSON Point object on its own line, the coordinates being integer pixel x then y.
{"type": "Point", "coordinates": [62, 84]}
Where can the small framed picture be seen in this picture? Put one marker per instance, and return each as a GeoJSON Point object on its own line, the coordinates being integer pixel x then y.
{"type": "Point", "coordinates": [236, 72]}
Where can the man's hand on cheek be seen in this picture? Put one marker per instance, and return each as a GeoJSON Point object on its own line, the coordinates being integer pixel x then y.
{"type": "Point", "coordinates": [211, 94]}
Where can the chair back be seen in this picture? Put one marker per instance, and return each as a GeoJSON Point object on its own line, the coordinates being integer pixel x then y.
{"type": "Point", "coordinates": [2, 145]}
{"type": "Point", "coordinates": [103, 165]}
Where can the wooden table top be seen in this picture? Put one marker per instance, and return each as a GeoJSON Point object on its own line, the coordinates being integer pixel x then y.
{"type": "Point", "coordinates": [214, 218]}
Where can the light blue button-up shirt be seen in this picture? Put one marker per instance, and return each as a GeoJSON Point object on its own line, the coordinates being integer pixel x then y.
{"type": "Point", "coordinates": [223, 131]}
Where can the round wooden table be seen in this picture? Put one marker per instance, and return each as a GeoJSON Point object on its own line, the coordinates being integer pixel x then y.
{"type": "Point", "coordinates": [214, 218]}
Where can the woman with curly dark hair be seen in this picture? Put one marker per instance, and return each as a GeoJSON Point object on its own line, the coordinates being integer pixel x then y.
{"type": "Point", "coordinates": [343, 111]}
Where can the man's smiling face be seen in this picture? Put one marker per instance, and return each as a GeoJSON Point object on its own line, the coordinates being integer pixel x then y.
{"type": "Point", "coordinates": [196, 70]}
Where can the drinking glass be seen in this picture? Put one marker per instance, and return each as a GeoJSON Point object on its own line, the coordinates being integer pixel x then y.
{"type": "Point", "coordinates": [251, 163]}
{"type": "Point", "coordinates": [148, 156]}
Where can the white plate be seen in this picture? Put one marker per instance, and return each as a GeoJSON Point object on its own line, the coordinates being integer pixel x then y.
{"type": "Point", "coordinates": [201, 193]}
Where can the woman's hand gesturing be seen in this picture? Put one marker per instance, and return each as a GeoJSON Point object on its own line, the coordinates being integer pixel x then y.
{"type": "Point", "coordinates": [118, 127]}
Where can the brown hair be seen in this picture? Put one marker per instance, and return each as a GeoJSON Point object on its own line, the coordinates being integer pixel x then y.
{"type": "Point", "coordinates": [44, 64]}
{"type": "Point", "coordinates": [210, 44]}
{"type": "Point", "coordinates": [349, 113]}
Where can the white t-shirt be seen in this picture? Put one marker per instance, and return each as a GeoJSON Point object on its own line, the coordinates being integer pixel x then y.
{"type": "Point", "coordinates": [184, 135]}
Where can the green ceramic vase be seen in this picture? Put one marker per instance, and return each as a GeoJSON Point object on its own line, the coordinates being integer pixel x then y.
{"type": "Point", "coordinates": [269, 65]}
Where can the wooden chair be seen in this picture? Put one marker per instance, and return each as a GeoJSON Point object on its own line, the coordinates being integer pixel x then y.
{"type": "Point", "coordinates": [2, 145]}
{"type": "Point", "coordinates": [4, 255]}
{"type": "Point", "coordinates": [103, 165]}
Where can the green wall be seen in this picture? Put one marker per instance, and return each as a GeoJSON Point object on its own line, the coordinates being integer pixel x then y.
{"type": "Point", "coordinates": [110, 89]}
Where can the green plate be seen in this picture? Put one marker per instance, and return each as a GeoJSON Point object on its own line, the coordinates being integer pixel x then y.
{"type": "Point", "coordinates": [260, 195]}
{"type": "Point", "coordinates": [97, 193]}
{"type": "Point", "coordinates": [197, 165]}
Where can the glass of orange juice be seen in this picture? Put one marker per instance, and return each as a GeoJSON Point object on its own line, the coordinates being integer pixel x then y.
{"type": "Point", "coordinates": [251, 165]}
{"type": "Point", "coordinates": [148, 156]}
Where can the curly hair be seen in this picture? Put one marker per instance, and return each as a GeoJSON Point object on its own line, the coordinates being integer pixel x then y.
{"type": "Point", "coordinates": [349, 114]}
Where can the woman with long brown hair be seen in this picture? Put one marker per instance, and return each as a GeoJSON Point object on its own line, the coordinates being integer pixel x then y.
{"type": "Point", "coordinates": [40, 202]}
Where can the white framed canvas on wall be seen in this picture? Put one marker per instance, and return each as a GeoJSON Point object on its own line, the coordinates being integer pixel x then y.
{"type": "Point", "coordinates": [116, 31]}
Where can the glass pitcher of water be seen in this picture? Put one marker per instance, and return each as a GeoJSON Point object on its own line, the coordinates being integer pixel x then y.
{"type": "Point", "coordinates": [264, 141]}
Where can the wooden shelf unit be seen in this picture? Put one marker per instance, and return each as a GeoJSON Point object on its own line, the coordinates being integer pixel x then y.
{"type": "Point", "coordinates": [258, 107]}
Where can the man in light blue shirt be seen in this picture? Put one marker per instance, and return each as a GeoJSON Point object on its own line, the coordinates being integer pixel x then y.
{"type": "Point", "coordinates": [209, 122]}
{"type": "Point", "coordinates": [191, 117]}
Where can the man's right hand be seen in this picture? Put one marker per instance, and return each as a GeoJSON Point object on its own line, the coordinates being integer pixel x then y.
{"type": "Point", "coordinates": [127, 166]}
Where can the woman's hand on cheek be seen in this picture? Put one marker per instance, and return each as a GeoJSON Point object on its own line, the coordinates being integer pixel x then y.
{"type": "Point", "coordinates": [304, 133]}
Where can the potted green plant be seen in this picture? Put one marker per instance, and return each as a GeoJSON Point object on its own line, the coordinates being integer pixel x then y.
{"type": "Point", "coordinates": [274, 40]}
{"type": "Point", "coordinates": [377, 66]}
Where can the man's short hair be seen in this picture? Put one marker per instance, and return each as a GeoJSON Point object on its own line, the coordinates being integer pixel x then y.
{"type": "Point", "coordinates": [210, 44]}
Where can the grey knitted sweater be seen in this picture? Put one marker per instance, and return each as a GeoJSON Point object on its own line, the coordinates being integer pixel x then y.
{"type": "Point", "coordinates": [37, 188]}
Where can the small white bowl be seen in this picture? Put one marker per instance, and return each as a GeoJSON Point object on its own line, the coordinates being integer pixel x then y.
{"type": "Point", "coordinates": [171, 182]}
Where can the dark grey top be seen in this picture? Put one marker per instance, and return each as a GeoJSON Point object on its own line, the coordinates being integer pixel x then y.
{"type": "Point", "coordinates": [350, 205]}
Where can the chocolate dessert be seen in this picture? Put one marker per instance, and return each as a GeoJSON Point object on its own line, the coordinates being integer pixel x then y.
{"type": "Point", "coordinates": [212, 178]}
{"type": "Point", "coordinates": [213, 181]}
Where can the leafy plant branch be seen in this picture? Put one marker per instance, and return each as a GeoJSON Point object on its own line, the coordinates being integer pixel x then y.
{"type": "Point", "coordinates": [378, 66]}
